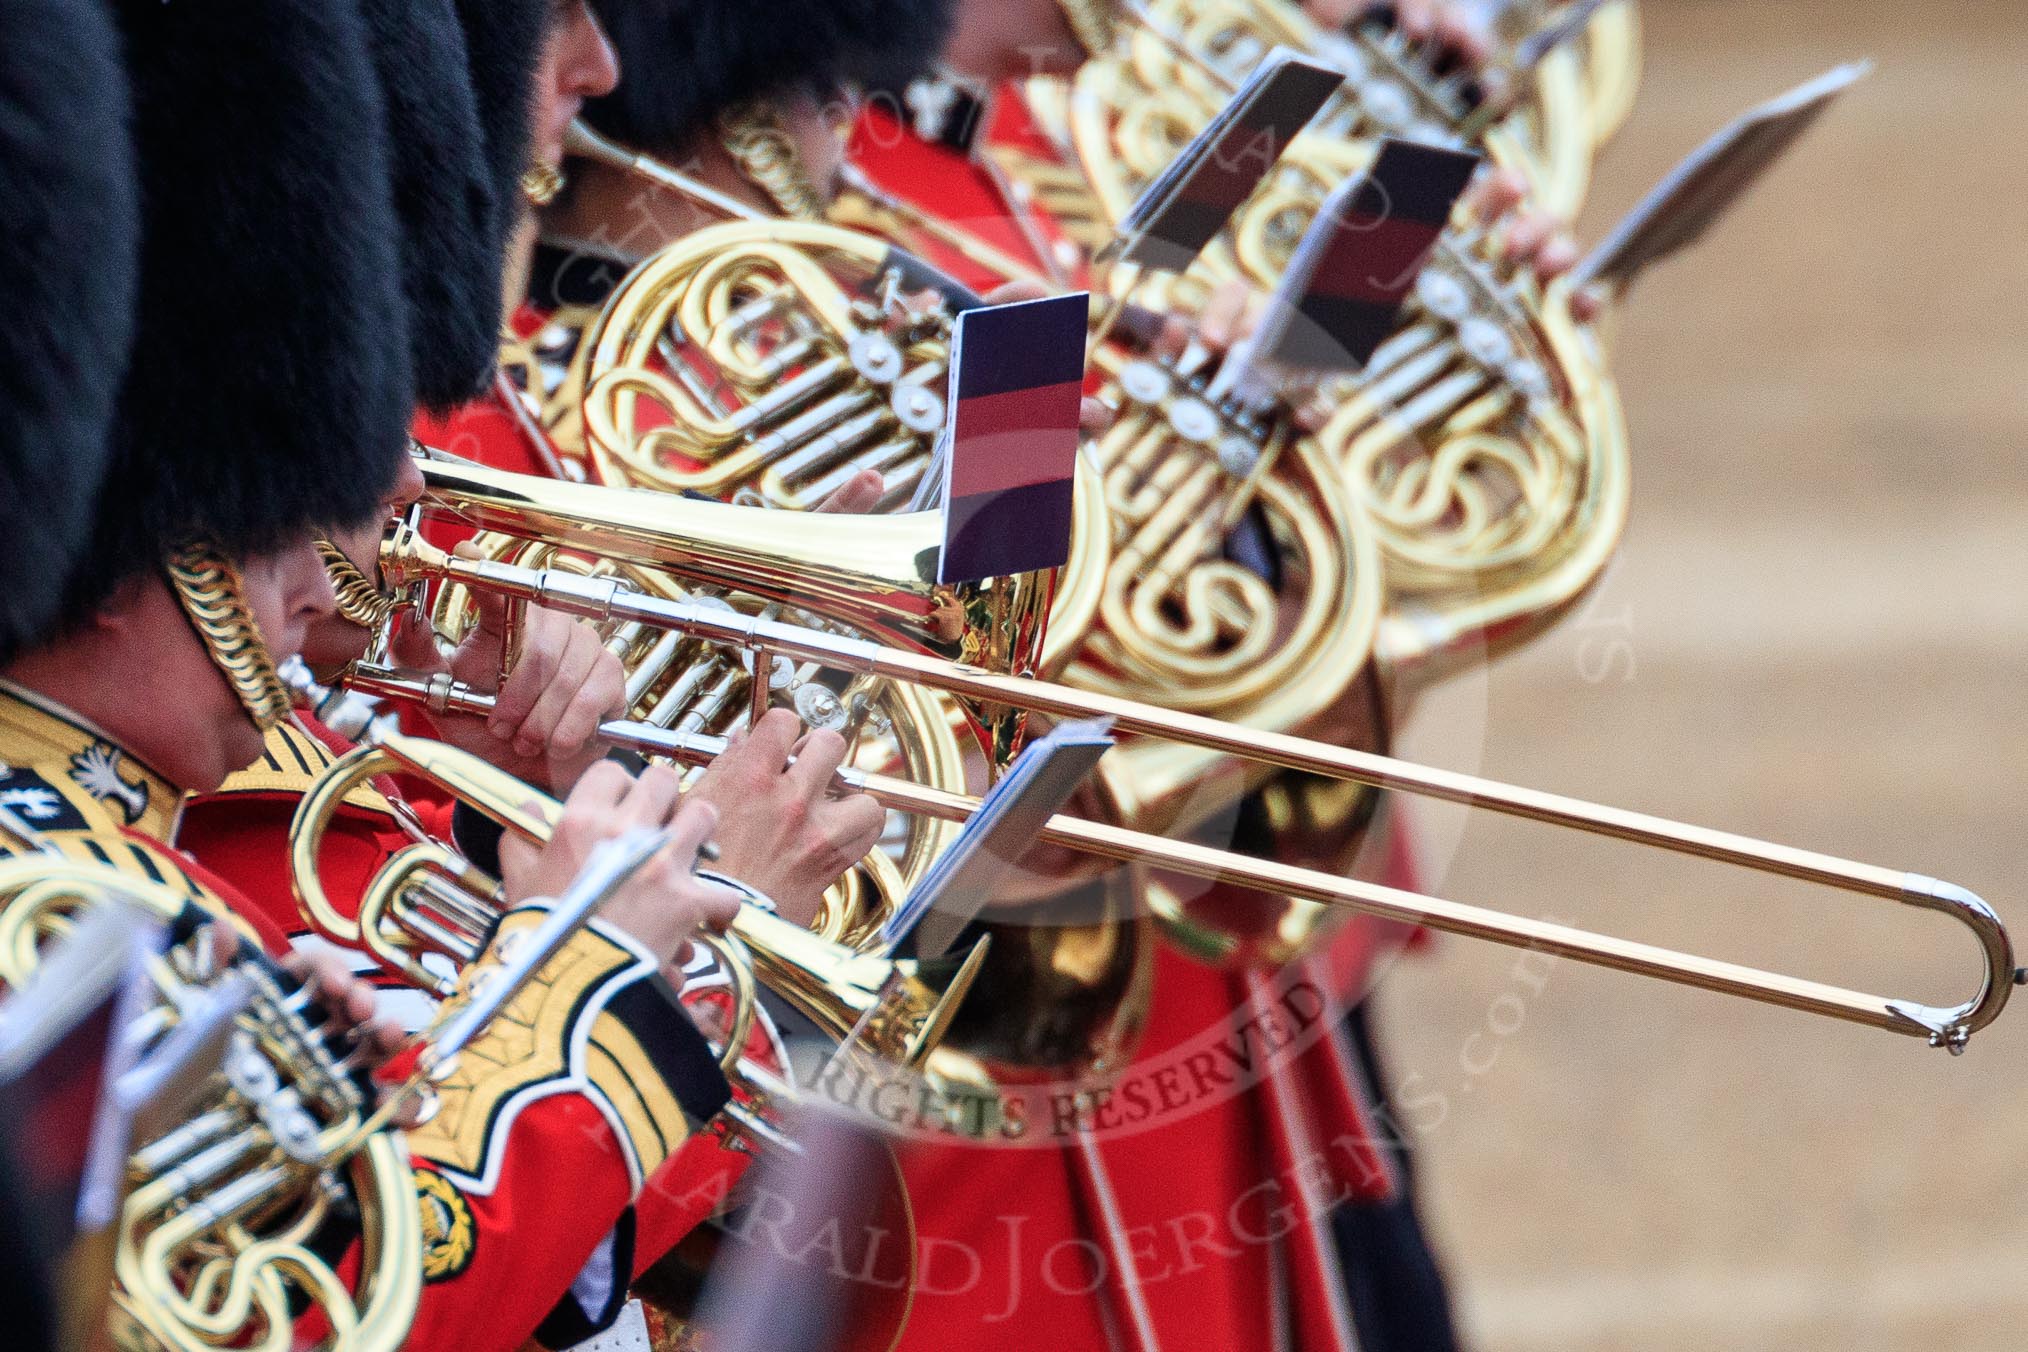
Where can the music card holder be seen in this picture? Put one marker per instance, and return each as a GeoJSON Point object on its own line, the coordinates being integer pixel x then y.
{"type": "Point", "coordinates": [1710, 181]}
{"type": "Point", "coordinates": [1190, 201]}
{"type": "Point", "coordinates": [1343, 292]}
{"type": "Point", "coordinates": [1008, 463]}
{"type": "Point", "coordinates": [961, 881]}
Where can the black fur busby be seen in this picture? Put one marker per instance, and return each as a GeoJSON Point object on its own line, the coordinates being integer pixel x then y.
{"type": "Point", "coordinates": [69, 240]}
{"type": "Point", "coordinates": [443, 194]}
{"type": "Point", "coordinates": [503, 41]}
{"type": "Point", "coordinates": [683, 62]}
{"type": "Point", "coordinates": [269, 387]}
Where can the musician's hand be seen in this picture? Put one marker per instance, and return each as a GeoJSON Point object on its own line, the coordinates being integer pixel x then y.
{"type": "Point", "coordinates": [857, 496]}
{"type": "Point", "coordinates": [665, 902]}
{"type": "Point", "coordinates": [1460, 42]}
{"type": "Point", "coordinates": [1537, 240]}
{"type": "Point", "coordinates": [351, 1007]}
{"type": "Point", "coordinates": [781, 832]}
{"type": "Point", "coordinates": [544, 726]}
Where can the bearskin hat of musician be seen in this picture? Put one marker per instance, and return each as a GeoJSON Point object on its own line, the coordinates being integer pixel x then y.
{"type": "Point", "coordinates": [684, 62]}
{"type": "Point", "coordinates": [444, 194]}
{"type": "Point", "coordinates": [503, 44]}
{"type": "Point", "coordinates": [268, 391]}
{"type": "Point", "coordinates": [69, 238]}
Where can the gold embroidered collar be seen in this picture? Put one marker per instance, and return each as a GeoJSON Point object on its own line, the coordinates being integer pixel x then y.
{"type": "Point", "coordinates": [38, 734]}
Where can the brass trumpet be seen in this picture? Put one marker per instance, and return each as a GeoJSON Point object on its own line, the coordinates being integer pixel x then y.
{"type": "Point", "coordinates": [407, 558]}
{"type": "Point", "coordinates": [1543, 113]}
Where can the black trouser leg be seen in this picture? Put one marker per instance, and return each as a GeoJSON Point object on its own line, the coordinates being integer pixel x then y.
{"type": "Point", "coordinates": [1396, 1287]}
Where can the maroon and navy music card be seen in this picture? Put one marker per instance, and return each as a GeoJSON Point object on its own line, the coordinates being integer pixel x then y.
{"type": "Point", "coordinates": [1017, 386]}
{"type": "Point", "coordinates": [1189, 202]}
{"type": "Point", "coordinates": [1343, 292]}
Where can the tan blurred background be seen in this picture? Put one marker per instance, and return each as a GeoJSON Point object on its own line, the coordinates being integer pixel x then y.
{"type": "Point", "coordinates": [1817, 632]}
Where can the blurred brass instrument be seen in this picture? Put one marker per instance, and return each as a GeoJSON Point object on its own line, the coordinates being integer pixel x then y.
{"type": "Point", "coordinates": [427, 899]}
{"type": "Point", "coordinates": [406, 559]}
{"type": "Point", "coordinates": [214, 1248]}
{"type": "Point", "coordinates": [1536, 111]}
{"type": "Point", "coordinates": [1611, 52]}
{"type": "Point", "coordinates": [1483, 443]}
{"type": "Point", "coordinates": [1537, 120]}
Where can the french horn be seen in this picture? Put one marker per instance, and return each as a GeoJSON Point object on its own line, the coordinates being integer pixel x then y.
{"type": "Point", "coordinates": [217, 1244]}
{"type": "Point", "coordinates": [1540, 114]}
{"type": "Point", "coordinates": [1483, 443]}
{"type": "Point", "coordinates": [772, 320]}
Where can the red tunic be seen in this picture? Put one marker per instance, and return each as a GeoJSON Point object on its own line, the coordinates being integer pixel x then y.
{"type": "Point", "coordinates": [969, 192]}
{"type": "Point", "coordinates": [1161, 1218]}
{"type": "Point", "coordinates": [545, 1199]}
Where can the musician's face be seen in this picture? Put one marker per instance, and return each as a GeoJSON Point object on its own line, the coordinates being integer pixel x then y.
{"type": "Point", "coordinates": [577, 64]}
{"type": "Point", "coordinates": [998, 40]}
{"type": "Point", "coordinates": [184, 718]}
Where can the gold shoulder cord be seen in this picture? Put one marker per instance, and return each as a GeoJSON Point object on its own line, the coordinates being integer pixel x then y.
{"type": "Point", "coordinates": [759, 143]}
{"type": "Point", "coordinates": [359, 600]}
{"type": "Point", "coordinates": [208, 586]}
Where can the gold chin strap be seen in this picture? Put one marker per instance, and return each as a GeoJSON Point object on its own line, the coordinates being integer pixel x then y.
{"type": "Point", "coordinates": [208, 586]}
{"type": "Point", "coordinates": [1092, 21]}
{"type": "Point", "coordinates": [360, 601]}
{"type": "Point", "coordinates": [759, 143]}
{"type": "Point", "coordinates": [541, 184]}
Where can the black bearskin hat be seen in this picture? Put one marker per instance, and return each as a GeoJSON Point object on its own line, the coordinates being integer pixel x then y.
{"type": "Point", "coordinates": [684, 62]}
{"type": "Point", "coordinates": [69, 241]}
{"type": "Point", "coordinates": [504, 41]}
{"type": "Point", "coordinates": [443, 194]}
{"type": "Point", "coordinates": [269, 387]}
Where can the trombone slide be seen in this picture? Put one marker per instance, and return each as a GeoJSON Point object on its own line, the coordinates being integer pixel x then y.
{"type": "Point", "coordinates": [1944, 1026]}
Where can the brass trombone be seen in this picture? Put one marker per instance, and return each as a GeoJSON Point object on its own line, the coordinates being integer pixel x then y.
{"type": "Point", "coordinates": [407, 559]}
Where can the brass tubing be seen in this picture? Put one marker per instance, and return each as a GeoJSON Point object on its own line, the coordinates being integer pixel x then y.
{"type": "Point", "coordinates": [582, 141]}
{"type": "Point", "coordinates": [1949, 1026]}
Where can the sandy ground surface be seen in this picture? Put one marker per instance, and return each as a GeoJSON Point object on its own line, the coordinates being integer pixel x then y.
{"type": "Point", "coordinates": [1823, 601]}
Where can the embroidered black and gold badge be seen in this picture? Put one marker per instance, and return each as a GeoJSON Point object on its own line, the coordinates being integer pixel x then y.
{"type": "Point", "coordinates": [38, 802]}
{"type": "Point", "coordinates": [96, 770]}
{"type": "Point", "coordinates": [449, 1235]}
